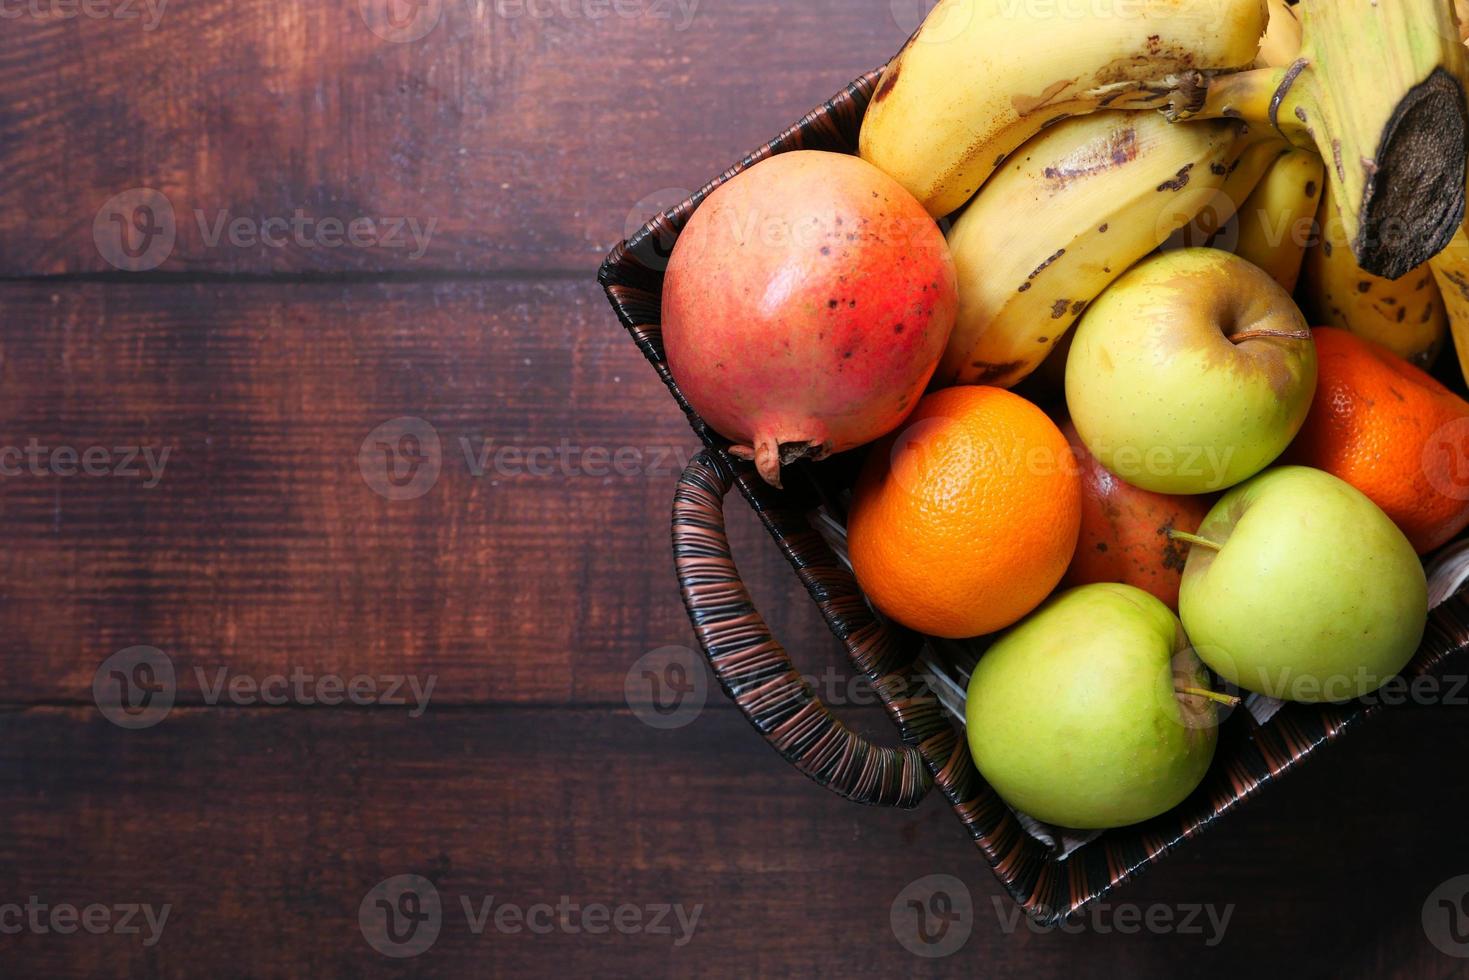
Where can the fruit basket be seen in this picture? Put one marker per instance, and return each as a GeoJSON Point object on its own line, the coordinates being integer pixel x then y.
{"type": "Point", "coordinates": [908, 671]}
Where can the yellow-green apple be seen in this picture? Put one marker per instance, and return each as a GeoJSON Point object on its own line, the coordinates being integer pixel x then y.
{"type": "Point", "coordinates": [1093, 712]}
{"type": "Point", "coordinates": [1299, 587]}
{"type": "Point", "coordinates": [1190, 373]}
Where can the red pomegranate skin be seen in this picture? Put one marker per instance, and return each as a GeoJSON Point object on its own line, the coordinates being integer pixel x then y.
{"type": "Point", "coordinates": [805, 307]}
{"type": "Point", "coordinates": [1124, 530]}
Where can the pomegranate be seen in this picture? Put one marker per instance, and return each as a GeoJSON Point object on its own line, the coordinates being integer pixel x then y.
{"type": "Point", "coordinates": [805, 307]}
{"type": "Point", "coordinates": [1124, 530]}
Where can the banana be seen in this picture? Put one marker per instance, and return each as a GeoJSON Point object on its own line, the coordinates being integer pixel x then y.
{"type": "Point", "coordinates": [1068, 214]}
{"type": "Point", "coordinates": [1215, 225]}
{"type": "Point", "coordinates": [1376, 90]}
{"type": "Point", "coordinates": [1236, 222]}
{"type": "Point", "coordinates": [1282, 41]}
{"type": "Point", "coordinates": [1451, 271]}
{"type": "Point", "coordinates": [980, 77]}
{"type": "Point", "coordinates": [1276, 220]}
{"type": "Point", "coordinates": [1406, 315]}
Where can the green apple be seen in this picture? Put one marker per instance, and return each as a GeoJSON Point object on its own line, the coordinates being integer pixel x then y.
{"type": "Point", "coordinates": [1093, 712]}
{"type": "Point", "coordinates": [1299, 587]}
{"type": "Point", "coordinates": [1190, 373]}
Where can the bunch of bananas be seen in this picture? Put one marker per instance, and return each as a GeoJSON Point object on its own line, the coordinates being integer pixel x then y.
{"type": "Point", "coordinates": [1323, 140]}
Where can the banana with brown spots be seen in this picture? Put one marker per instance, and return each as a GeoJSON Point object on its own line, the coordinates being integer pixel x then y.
{"type": "Point", "coordinates": [980, 77]}
{"type": "Point", "coordinates": [1406, 315]}
{"type": "Point", "coordinates": [1068, 214]}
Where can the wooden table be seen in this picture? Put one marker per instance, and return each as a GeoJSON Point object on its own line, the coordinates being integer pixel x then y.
{"type": "Point", "coordinates": [260, 328]}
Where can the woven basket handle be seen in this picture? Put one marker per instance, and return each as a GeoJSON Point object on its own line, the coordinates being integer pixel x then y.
{"type": "Point", "coordinates": [755, 670]}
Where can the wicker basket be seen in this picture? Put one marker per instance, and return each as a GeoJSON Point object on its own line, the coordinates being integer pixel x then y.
{"type": "Point", "coordinates": [757, 674]}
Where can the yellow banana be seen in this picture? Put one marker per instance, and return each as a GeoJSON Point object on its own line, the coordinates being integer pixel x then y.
{"type": "Point", "coordinates": [1215, 225]}
{"type": "Point", "coordinates": [1451, 271]}
{"type": "Point", "coordinates": [1064, 217]}
{"type": "Point", "coordinates": [1375, 89]}
{"type": "Point", "coordinates": [1405, 315]}
{"type": "Point", "coordinates": [1282, 41]}
{"type": "Point", "coordinates": [1276, 220]}
{"type": "Point", "coordinates": [980, 77]}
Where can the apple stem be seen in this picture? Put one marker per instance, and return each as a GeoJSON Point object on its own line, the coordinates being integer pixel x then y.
{"type": "Point", "coordinates": [1228, 699]}
{"type": "Point", "coordinates": [1265, 332]}
{"type": "Point", "coordinates": [1194, 539]}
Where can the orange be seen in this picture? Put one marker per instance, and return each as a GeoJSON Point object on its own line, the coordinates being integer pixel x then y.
{"type": "Point", "coordinates": [965, 519]}
{"type": "Point", "coordinates": [1391, 431]}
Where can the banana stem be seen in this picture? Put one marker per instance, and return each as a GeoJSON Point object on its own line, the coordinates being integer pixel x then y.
{"type": "Point", "coordinates": [1378, 93]}
{"type": "Point", "coordinates": [1251, 97]}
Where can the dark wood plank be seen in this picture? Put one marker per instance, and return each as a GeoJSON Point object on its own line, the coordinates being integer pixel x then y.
{"type": "Point", "coordinates": [264, 830]}
{"type": "Point", "coordinates": [528, 140]}
{"type": "Point", "coordinates": [263, 549]}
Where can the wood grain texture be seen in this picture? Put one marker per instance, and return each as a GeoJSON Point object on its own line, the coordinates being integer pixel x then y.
{"type": "Point", "coordinates": [264, 550]}
{"type": "Point", "coordinates": [206, 812]}
{"type": "Point", "coordinates": [529, 133]}
{"type": "Point", "coordinates": [531, 142]}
